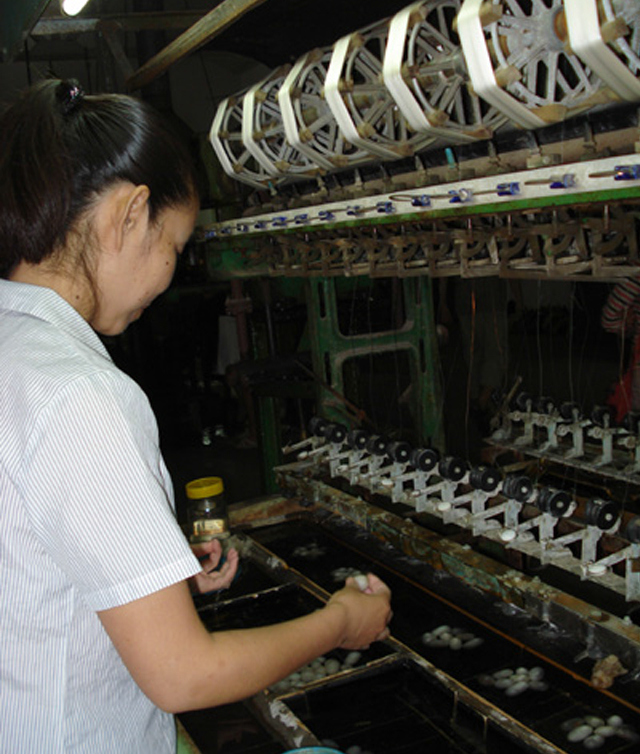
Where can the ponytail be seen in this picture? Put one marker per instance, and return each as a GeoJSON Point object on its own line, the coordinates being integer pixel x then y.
{"type": "Point", "coordinates": [62, 149]}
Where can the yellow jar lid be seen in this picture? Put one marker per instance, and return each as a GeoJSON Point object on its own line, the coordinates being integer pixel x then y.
{"type": "Point", "coordinates": [208, 486]}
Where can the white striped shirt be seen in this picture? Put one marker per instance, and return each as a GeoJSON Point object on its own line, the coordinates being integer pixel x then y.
{"type": "Point", "coordinates": [86, 524]}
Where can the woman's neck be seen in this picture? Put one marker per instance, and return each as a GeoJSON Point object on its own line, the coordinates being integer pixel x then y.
{"type": "Point", "coordinates": [74, 291]}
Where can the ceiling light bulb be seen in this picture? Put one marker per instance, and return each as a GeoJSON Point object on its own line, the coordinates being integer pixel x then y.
{"type": "Point", "coordinates": [72, 7]}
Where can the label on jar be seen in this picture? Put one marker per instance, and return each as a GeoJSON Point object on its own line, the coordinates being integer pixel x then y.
{"type": "Point", "coordinates": [209, 527]}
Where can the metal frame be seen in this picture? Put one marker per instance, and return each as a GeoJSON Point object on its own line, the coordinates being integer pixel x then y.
{"type": "Point", "coordinates": [474, 568]}
{"type": "Point", "coordinates": [572, 221]}
{"type": "Point", "coordinates": [598, 181]}
{"type": "Point", "coordinates": [331, 350]}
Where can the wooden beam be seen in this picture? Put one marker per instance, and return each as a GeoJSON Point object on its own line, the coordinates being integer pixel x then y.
{"type": "Point", "coordinates": [17, 18]}
{"type": "Point", "coordinates": [58, 26]}
{"type": "Point", "coordinates": [216, 21]}
{"type": "Point", "coordinates": [110, 33]}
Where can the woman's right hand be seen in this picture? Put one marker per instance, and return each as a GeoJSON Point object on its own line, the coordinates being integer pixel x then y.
{"type": "Point", "coordinates": [181, 666]}
{"type": "Point", "coordinates": [367, 612]}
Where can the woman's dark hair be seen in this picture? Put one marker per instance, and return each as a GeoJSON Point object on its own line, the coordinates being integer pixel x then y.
{"type": "Point", "coordinates": [60, 150]}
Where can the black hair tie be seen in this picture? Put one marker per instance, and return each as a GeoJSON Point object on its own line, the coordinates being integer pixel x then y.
{"type": "Point", "coordinates": [70, 96]}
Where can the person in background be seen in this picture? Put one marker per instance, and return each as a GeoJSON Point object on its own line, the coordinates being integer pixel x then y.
{"type": "Point", "coordinates": [621, 315]}
{"type": "Point", "coordinates": [99, 638]}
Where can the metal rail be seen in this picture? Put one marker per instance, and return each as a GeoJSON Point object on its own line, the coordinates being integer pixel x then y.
{"type": "Point", "coordinates": [575, 221]}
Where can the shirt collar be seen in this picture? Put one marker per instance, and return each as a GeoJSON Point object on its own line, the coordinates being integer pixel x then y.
{"type": "Point", "coordinates": [47, 305]}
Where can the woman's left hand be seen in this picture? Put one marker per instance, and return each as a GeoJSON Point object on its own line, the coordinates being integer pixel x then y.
{"type": "Point", "coordinates": [211, 578]}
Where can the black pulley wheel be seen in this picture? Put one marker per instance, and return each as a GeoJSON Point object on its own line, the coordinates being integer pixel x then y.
{"type": "Point", "coordinates": [399, 451]}
{"type": "Point", "coordinates": [545, 405]}
{"type": "Point", "coordinates": [555, 502]}
{"type": "Point", "coordinates": [633, 530]}
{"type": "Point", "coordinates": [631, 422]}
{"type": "Point", "coordinates": [452, 468]}
{"type": "Point", "coordinates": [601, 513]}
{"type": "Point", "coordinates": [357, 439]}
{"type": "Point", "coordinates": [602, 416]}
{"type": "Point", "coordinates": [517, 487]}
{"type": "Point", "coordinates": [377, 445]}
{"type": "Point", "coordinates": [484, 478]}
{"type": "Point", "coordinates": [335, 433]}
{"type": "Point", "coordinates": [424, 459]}
{"type": "Point", "coordinates": [524, 401]}
{"type": "Point", "coordinates": [570, 411]}
{"type": "Point", "coordinates": [317, 426]}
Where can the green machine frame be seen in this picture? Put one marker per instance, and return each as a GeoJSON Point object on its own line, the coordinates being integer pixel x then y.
{"type": "Point", "coordinates": [331, 350]}
{"type": "Point", "coordinates": [581, 229]}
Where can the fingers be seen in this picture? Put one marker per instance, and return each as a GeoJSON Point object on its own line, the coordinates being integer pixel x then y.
{"type": "Point", "coordinates": [230, 565]}
{"type": "Point", "coordinates": [212, 578]}
{"type": "Point", "coordinates": [212, 547]}
{"type": "Point", "coordinates": [377, 585]}
{"type": "Point", "coordinates": [368, 611]}
{"type": "Point", "coordinates": [369, 584]}
{"type": "Point", "coordinates": [360, 582]}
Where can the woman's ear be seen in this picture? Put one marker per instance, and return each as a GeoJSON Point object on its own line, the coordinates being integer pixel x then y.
{"type": "Point", "coordinates": [135, 208]}
{"type": "Point", "coordinates": [122, 210]}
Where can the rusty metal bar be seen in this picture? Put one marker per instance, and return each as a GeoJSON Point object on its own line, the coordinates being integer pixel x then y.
{"type": "Point", "coordinates": [216, 21]}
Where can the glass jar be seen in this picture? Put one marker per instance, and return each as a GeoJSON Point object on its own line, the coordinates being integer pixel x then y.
{"type": "Point", "coordinates": [207, 509]}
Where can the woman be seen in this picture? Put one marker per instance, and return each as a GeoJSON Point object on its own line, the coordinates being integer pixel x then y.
{"type": "Point", "coordinates": [621, 315]}
{"type": "Point", "coordinates": [99, 638]}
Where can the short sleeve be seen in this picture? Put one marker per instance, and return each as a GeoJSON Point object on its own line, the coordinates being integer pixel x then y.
{"type": "Point", "coordinates": [98, 494]}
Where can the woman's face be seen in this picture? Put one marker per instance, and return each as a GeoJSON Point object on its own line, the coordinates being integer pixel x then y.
{"type": "Point", "coordinates": [143, 269]}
